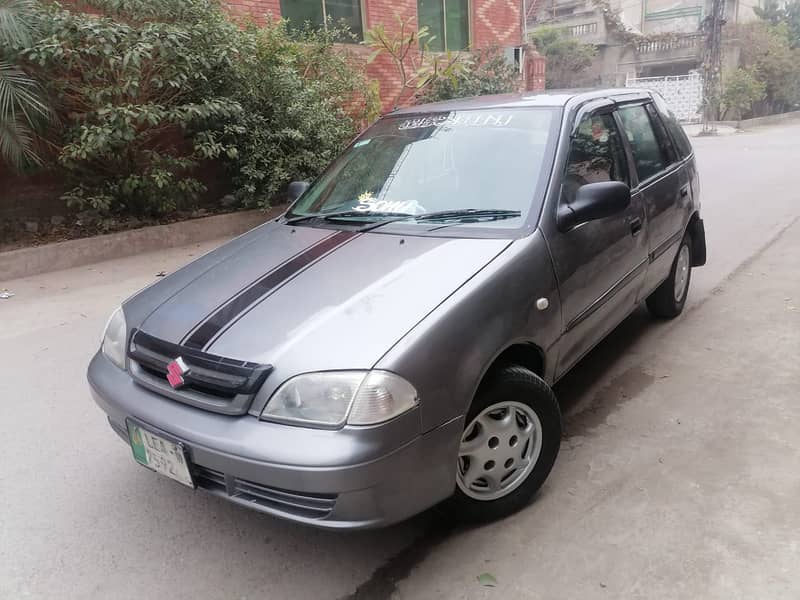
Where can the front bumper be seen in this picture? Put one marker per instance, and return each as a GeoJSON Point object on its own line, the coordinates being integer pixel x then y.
{"type": "Point", "coordinates": [353, 478]}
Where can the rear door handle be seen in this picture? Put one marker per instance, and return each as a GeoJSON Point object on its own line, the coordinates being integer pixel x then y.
{"type": "Point", "coordinates": [636, 226]}
{"type": "Point", "coordinates": [684, 191]}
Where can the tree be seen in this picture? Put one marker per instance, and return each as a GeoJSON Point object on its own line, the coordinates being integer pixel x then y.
{"type": "Point", "coordinates": [488, 72]}
{"type": "Point", "coordinates": [23, 107]}
{"type": "Point", "coordinates": [766, 52]}
{"type": "Point", "coordinates": [567, 58]}
{"type": "Point", "coordinates": [138, 94]}
{"type": "Point", "coordinates": [409, 50]}
{"type": "Point", "coordinates": [742, 90]}
{"type": "Point", "coordinates": [776, 12]}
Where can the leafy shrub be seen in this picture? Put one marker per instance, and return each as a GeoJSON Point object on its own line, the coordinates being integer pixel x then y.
{"type": "Point", "coordinates": [24, 109]}
{"type": "Point", "coordinates": [409, 50]}
{"type": "Point", "coordinates": [767, 53]}
{"type": "Point", "coordinates": [147, 90]}
{"type": "Point", "coordinates": [136, 97]}
{"type": "Point", "coordinates": [300, 96]}
{"type": "Point", "coordinates": [742, 90]}
{"type": "Point", "coordinates": [488, 72]}
{"type": "Point", "coordinates": [567, 58]}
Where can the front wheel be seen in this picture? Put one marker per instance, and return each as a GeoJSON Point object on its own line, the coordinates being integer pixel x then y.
{"type": "Point", "coordinates": [668, 300]}
{"type": "Point", "coordinates": [508, 447]}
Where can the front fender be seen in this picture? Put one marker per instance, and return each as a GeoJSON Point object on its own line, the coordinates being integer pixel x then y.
{"type": "Point", "coordinates": [447, 354]}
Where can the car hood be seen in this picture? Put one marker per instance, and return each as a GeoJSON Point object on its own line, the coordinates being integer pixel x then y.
{"type": "Point", "coordinates": [306, 299]}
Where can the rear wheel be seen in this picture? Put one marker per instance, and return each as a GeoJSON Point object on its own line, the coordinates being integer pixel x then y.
{"type": "Point", "coordinates": [508, 447]}
{"type": "Point", "coordinates": [668, 300]}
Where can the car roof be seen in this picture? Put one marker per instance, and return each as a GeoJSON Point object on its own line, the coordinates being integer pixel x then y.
{"type": "Point", "coordinates": [546, 98]}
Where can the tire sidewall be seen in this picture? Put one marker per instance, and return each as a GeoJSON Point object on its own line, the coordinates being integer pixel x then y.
{"type": "Point", "coordinates": [517, 384]}
{"type": "Point", "coordinates": [687, 241]}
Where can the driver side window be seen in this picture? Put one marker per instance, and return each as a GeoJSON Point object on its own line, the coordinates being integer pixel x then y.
{"type": "Point", "coordinates": [596, 154]}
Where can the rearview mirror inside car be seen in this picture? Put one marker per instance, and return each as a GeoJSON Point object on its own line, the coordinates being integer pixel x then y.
{"type": "Point", "coordinates": [296, 189]}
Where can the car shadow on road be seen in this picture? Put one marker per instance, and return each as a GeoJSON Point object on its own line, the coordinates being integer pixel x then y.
{"type": "Point", "coordinates": [588, 393]}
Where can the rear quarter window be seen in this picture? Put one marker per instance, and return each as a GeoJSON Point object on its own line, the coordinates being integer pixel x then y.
{"type": "Point", "coordinates": [682, 144]}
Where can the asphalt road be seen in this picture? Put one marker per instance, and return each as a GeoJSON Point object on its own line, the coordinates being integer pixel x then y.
{"type": "Point", "coordinates": [78, 519]}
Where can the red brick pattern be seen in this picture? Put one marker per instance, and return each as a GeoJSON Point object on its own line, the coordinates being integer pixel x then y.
{"type": "Point", "coordinates": [383, 68]}
{"type": "Point", "coordinates": [256, 8]}
{"type": "Point", "coordinates": [492, 22]}
{"type": "Point", "coordinates": [496, 23]}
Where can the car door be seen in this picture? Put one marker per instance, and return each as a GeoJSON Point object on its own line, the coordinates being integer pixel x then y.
{"type": "Point", "coordinates": [663, 185]}
{"type": "Point", "coordinates": [600, 265]}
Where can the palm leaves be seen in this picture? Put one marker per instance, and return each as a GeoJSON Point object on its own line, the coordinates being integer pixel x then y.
{"type": "Point", "coordinates": [22, 108]}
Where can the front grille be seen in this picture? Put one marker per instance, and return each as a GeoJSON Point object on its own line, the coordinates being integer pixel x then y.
{"type": "Point", "coordinates": [304, 504]}
{"type": "Point", "coordinates": [224, 385]}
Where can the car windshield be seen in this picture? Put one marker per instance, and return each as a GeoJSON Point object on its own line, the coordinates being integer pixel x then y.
{"type": "Point", "coordinates": [477, 167]}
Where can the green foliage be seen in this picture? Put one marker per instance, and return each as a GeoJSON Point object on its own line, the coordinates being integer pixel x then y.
{"type": "Point", "coordinates": [777, 13]}
{"type": "Point", "coordinates": [487, 73]}
{"type": "Point", "coordinates": [135, 94]}
{"type": "Point", "coordinates": [148, 91]}
{"type": "Point", "coordinates": [24, 110]}
{"type": "Point", "coordinates": [299, 93]}
{"type": "Point", "coordinates": [742, 90]}
{"type": "Point", "coordinates": [567, 57]}
{"type": "Point", "coordinates": [410, 52]}
{"type": "Point", "coordinates": [766, 52]}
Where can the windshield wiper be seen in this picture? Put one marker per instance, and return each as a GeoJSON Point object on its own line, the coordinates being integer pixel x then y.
{"type": "Point", "coordinates": [345, 214]}
{"type": "Point", "coordinates": [464, 215]}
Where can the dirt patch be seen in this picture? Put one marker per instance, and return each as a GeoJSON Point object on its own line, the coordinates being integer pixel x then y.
{"type": "Point", "coordinates": [20, 233]}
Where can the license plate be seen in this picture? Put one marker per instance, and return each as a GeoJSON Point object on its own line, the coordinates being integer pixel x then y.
{"type": "Point", "coordinates": [159, 454]}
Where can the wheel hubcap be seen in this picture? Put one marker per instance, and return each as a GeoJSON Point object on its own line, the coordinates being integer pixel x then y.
{"type": "Point", "coordinates": [498, 450]}
{"type": "Point", "coordinates": [681, 272]}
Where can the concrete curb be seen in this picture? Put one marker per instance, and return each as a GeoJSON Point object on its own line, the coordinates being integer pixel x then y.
{"type": "Point", "coordinates": [761, 121]}
{"type": "Point", "coordinates": [25, 262]}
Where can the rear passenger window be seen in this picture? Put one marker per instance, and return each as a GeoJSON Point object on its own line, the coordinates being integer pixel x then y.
{"type": "Point", "coordinates": [661, 133]}
{"type": "Point", "coordinates": [684, 147]}
{"type": "Point", "coordinates": [596, 154]}
{"type": "Point", "coordinates": [650, 155]}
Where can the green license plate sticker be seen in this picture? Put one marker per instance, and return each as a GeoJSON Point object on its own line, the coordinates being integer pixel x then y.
{"type": "Point", "coordinates": [159, 454]}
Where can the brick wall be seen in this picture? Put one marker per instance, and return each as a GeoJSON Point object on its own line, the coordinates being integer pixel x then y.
{"type": "Point", "coordinates": [496, 22]}
{"type": "Point", "coordinates": [492, 23]}
{"type": "Point", "coordinates": [256, 8]}
{"type": "Point", "coordinates": [383, 68]}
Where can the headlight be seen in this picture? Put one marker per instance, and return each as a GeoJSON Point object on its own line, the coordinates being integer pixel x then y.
{"type": "Point", "coordinates": [334, 398]}
{"type": "Point", "coordinates": [114, 338]}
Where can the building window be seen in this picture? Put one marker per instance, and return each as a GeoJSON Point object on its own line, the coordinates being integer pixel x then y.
{"type": "Point", "coordinates": [319, 12]}
{"type": "Point", "coordinates": [447, 22]}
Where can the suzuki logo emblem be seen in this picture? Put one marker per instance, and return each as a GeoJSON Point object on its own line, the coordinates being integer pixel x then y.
{"type": "Point", "coordinates": [175, 372]}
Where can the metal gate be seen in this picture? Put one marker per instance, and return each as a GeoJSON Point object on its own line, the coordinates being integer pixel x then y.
{"type": "Point", "coordinates": [683, 93]}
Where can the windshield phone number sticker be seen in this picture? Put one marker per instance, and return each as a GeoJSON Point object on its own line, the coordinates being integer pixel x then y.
{"type": "Point", "coordinates": [458, 120]}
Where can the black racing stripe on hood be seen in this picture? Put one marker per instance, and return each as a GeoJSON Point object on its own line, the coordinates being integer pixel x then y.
{"type": "Point", "coordinates": [202, 335]}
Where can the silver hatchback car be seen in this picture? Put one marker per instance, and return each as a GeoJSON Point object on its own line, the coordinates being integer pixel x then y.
{"type": "Point", "coordinates": [390, 342]}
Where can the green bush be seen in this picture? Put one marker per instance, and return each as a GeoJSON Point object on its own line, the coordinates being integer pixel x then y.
{"type": "Point", "coordinates": [742, 90]}
{"type": "Point", "coordinates": [24, 109]}
{"type": "Point", "coordinates": [148, 90]}
{"type": "Point", "coordinates": [567, 58]}
{"type": "Point", "coordinates": [299, 93]}
{"type": "Point", "coordinates": [488, 72]}
{"type": "Point", "coordinates": [136, 97]}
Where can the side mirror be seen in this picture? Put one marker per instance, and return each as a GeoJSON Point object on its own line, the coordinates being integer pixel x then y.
{"type": "Point", "coordinates": [296, 189]}
{"type": "Point", "coordinates": [594, 201]}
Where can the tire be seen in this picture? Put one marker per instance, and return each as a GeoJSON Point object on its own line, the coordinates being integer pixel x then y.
{"type": "Point", "coordinates": [665, 302]}
{"type": "Point", "coordinates": [518, 395]}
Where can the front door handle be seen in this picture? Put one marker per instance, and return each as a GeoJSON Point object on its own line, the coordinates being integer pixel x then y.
{"type": "Point", "coordinates": [636, 226]}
